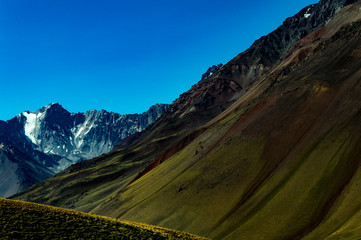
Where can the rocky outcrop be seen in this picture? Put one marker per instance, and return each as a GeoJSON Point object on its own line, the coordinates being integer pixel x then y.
{"type": "Point", "coordinates": [211, 70]}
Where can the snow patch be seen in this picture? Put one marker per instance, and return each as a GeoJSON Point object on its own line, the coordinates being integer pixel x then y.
{"type": "Point", "coordinates": [32, 126]}
{"type": "Point", "coordinates": [80, 131]}
{"type": "Point", "coordinates": [307, 14]}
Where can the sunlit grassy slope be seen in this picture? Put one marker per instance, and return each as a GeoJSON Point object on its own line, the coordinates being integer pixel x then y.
{"type": "Point", "coordinates": [23, 220]}
{"type": "Point", "coordinates": [283, 162]}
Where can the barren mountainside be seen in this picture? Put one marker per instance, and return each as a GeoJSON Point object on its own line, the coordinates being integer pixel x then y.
{"type": "Point", "coordinates": [267, 147]}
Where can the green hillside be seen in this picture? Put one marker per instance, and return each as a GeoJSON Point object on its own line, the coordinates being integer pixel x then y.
{"type": "Point", "coordinates": [23, 220]}
{"type": "Point", "coordinates": [282, 162]}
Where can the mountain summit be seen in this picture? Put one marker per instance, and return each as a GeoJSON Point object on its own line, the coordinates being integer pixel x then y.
{"type": "Point", "coordinates": [79, 136]}
{"type": "Point", "coordinates": [53, 138]}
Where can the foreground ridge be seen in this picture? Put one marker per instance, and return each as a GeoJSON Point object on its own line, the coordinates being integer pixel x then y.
{"type": "Point", "coordinates": [24, 220]}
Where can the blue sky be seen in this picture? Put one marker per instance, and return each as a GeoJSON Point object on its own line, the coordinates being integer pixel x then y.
{"type": "Point", "coordinates": [121, 56]}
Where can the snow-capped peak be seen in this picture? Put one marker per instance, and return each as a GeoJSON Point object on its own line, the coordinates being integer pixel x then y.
{"type": "Point", "coordinates": [77, 136]}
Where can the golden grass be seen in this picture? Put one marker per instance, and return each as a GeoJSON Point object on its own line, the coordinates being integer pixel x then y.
{"type": "Point", "coordinates": [24, 220]}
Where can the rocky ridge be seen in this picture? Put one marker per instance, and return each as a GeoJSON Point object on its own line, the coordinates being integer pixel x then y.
{"type": "Point", "coordinates": [210, 71]}
{"type": "Point", "coordinates": [36, 145]}
{"type": "Point", "coordinates": [79, 136]}
{"type": "Point", "coordinates": [221, 89]}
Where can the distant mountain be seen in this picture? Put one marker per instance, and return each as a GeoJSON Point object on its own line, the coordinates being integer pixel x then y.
{"type": "Point", "coordinates": [79, 136]}
{"type": "Point", "coordinates": [50, 139]}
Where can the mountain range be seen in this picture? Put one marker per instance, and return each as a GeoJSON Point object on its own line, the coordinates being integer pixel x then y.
{"type": "Point", "coordinates": [265, 147]}
{"type": "Point", "coordinates": [36, 145]}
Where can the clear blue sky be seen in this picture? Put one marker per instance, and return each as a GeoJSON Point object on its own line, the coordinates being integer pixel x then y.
{"type": "Point", "coordinates": [121, 56]}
